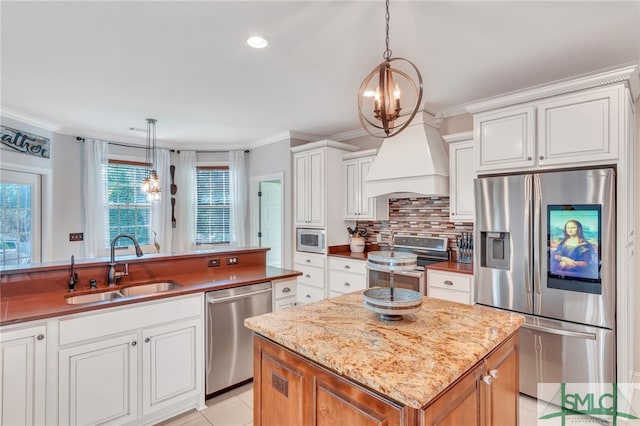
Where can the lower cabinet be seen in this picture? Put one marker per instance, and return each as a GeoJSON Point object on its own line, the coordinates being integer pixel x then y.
{"type": "Point", "coordinates": [451, 286]}
{"type": "Point", "coordinates": [346, 275]}
{"type": "Point", "coordinates": [284, 293]}
{"type": "Point", "coordinates": [290, 390]}
{"type": "Point", "coordinates": [23, 360]}
{"type": "Point", "coordinates": [133, 364]}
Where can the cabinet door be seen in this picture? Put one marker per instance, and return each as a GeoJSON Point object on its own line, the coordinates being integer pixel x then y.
{"type": "Point", "coordinates": [462, 205]}
{"type": "Point", "coordinates": [316, 191]}
{"type": "Point", "coordinates": [98, 382]}
{"type": "Point", "coordinates": [367, 205]}
{"type": "Point", "coordinates": [505, 138]}
{"type": "Point", "coordinates": [502, 393]}
{"type": "Point", "coordinates": [300, 188]}
{"type": "Point", "coordinates": [351, 188]}
{"type": "Point", "coordinates": [309, 294]}
{"type": "Point", "coordinates": [171, 359]}
{"type": "Point", "coordinates": [580, 127]}
{"type": "Point", "coordinates": [461, 404]}
{"type": "Point", "coordinates": [22, 368]}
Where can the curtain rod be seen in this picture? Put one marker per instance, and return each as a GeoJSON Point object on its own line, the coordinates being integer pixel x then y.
{"type": "Point", "coordinates": [78, 138]}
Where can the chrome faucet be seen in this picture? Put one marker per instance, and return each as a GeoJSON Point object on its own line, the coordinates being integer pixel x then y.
{"type": "Point", "coordinates": [114, 275]}
{"type": "Point", "coordinates": [73, 277]}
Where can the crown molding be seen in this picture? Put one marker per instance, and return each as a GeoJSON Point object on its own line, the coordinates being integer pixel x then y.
{"type": "Point", "coordinates": [30, 120]}
{"type": "Point", "coordinates": [458, 137]}
{"type": "Point", "coordinates": [628, 75]}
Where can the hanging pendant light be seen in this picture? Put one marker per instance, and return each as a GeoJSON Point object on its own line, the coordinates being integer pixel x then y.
{"type": "Point", "coordinates": [379, 106]}
{"type": "Point", "coordinates": [151, 184]}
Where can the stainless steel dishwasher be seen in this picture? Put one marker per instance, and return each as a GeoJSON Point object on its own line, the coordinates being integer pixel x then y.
{"type": "Point", "coordinates": [229, 343]}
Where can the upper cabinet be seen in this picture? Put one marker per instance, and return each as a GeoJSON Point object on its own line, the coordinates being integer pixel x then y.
{"type": "Point", "coordinates": [309, 187]}
{"type": "Point", "coordinates": [356, 205]}
{"type": "Point", "coordinates": [461, 199]}
{"type": "Point", "coordinates": [578, 128]}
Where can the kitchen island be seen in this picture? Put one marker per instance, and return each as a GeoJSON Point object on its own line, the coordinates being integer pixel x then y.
{"type": "Point", "coordinates": [335, 363]}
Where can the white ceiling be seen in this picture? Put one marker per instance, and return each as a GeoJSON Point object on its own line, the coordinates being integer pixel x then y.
{"type": "Point", "coordinates": [97, 68]}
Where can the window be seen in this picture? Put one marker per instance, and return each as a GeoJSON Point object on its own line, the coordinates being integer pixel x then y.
{"type": "Point", "coordinates": [213, 210]}
{"type": "Point", "coordinates": [19, 217]}
{"type": "Point", "coordinates": [129, 208]}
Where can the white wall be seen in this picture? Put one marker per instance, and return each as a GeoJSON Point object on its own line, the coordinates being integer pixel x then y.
{"type": "Point", "coordinates": [271, 159]}
{"type": "Point", "coordinates": [61, 209]}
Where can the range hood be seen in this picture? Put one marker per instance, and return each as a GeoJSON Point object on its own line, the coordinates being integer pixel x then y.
{"type": "Point", "coordinates": [412, 163]}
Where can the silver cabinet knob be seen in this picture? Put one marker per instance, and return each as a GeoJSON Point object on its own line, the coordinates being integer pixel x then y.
{"type": "Point", "coordinates": [308, 276]}
{"type": "Point", "coordinates": [347, 285]}
{"type": "Point", "coordinates": [494, 373]}
{"type": "Point", "coordinates": [542, 157]}
{"type": "Point", "coordinates": [447, 282]}
{"type": "Point", "coordinates": [487, 379]}
{"type": "Point", "coordinates": [147, 340]}
{"type": "Point", "coordinates": [308, 260]}
{"type": "Point", "coordinates": [286, 290]}
{"type": "Point", "coordinates": [40, 337]}
{"type": "Point", "coordinates": [347, 267]}
{"type": "Point", "coordinates": [308, 296]}
{"type": "Point", "coordinates": [134, 343]}
{"type": "Point", "coordinates": [528, 158]}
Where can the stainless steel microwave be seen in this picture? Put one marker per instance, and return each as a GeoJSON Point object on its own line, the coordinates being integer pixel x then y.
{"type": "Point", "coordinates": [310, 240]}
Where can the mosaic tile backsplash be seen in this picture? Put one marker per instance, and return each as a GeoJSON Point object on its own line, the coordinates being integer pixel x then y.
{"type": "Point", "coordinates": [423, 216]}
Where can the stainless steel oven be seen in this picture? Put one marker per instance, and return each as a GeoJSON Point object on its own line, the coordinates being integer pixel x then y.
{"type": "Point", "coordinates": [429, 250]}
{"type": "Point", "coordinates": [310, 240]}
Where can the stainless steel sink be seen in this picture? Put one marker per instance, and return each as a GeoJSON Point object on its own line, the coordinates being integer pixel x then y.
{"type": "Point", "coordinates": [93, 297]}
{"type": "Point", "coordinates": [151, 288]}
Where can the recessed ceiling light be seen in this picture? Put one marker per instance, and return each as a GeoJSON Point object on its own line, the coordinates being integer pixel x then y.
{"type": "Point", "coordinates": [257, 42]}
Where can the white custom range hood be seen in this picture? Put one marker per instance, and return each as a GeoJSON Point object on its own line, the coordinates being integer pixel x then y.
{"type": "Point", "coordinates": [414, 162]}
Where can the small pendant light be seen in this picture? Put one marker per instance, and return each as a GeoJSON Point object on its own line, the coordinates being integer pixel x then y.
{"type": "Point", "coordinates": [151, 184]}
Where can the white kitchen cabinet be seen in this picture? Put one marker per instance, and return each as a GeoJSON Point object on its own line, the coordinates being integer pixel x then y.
{"type": "Point", "coordinates": [309, 187]}
{"type": "Point", "coordinates": [579, 128]}
{"type": "Point", "coordinates": [113, 360]}
{"type": "Point", "coordinates": [99, 382]}
{"type": "Point", "coordinates": [356, 205]}
{"type": "Point", "coordinates": [311, 284]}
{"type": "Point", "coordinates": [23, 373]}
{"type": "Point", "coordinates": [505, 138]}
{"type": "Point", "coordinates": [461, 165]}
{"type": "Point", "coordinates": [346, 275]}
{"type": "Point", "coordinates": [450, 286]}
{"type": "Point", "coordinates": [284, 293]}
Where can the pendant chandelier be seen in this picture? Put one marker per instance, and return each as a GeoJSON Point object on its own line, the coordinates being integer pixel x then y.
{"type": "Point", "coordinates": [379, 106]}
{"type": "Point", "coordinates": [151, 184]}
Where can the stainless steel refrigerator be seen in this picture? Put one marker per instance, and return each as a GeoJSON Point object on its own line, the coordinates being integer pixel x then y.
{"type": "Point", "coordinates": [545, 247]}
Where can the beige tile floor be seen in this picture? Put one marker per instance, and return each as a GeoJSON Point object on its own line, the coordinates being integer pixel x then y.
{"type": "Point", "coordinates": [235, 408]}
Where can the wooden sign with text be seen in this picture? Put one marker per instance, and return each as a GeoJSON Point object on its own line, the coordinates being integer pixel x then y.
{"type": "Point", "coordinates": [25, 142]}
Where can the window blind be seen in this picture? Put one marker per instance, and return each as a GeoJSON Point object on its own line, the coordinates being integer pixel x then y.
{"type": "Point", "coordinates": [129, 208]}
{"type": "Point", "coordinates": [213, 210]}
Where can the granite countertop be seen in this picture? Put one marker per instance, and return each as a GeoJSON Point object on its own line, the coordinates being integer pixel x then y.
{"type": "Point", "coordinates": [345, 251]}
{"type": "Point", "coordinates": [41, 305]}
{"type": "Point", "coordinates": [410, 361]}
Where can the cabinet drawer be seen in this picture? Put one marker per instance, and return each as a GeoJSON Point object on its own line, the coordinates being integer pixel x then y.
{"type": "Point", "coordinates": [450, 295]}
{"type": "Point", "coordinates": [449, 280]}
{"type": "Point", "coordinates": [357, 266]}
{"type": "Point", "coordinates": [346, 282]}
{"type": "Point", "coordinates": [284, 288]}
{"type": "Point", "coordinates": [286, 302]}
{"type": "Point", "coordinates": [130, 317]}
{"type": "Point", "coordinates": [309, 259]}
{"type": "Point", "coordinates": [311, 275]}
{"type": "Point", "coordinates": [309, 294]}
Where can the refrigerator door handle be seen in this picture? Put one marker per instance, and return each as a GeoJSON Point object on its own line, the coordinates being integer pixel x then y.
{"type": "Point", "coordinates": [568, 333]}
{"type": "Point", "coordinates": [537, 237]}
{"type": "Point", "coordinates": [527, 236]}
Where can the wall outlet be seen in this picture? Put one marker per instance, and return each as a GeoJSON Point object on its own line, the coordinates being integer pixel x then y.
{"type": "Point", "coordinates": [76, 236]}
{"type": "Point", "coordinates": [232, 260]}
{"type": "Point", "coordinates": [213, 262]}
{"type": "Point", "coordinates": [378, 238]}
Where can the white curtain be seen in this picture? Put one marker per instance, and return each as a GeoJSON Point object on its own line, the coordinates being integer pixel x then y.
{"type": "Point", "coordinates": [161, 210]}
{"type": "Point", "coordinates": [239, 198]}
{"type": "Point", "coordinates": [184, 236]}
{"type": "Point", "coordinates": [94, 192]}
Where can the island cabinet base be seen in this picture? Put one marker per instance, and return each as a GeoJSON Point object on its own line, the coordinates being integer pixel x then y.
{"type": "Point", "coordinates": [290, 390]}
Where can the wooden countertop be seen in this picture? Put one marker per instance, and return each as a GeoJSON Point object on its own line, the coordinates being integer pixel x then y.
{"type": "Point", "coordinates": [451, 266]}
{"type": "Point", "coordinates": [410, 361]}
{"type": "Point", "coordinates": [40, 305]}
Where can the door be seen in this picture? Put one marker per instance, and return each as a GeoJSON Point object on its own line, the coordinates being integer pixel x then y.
{"type": "Point", "coordinates": [20, 204]}
{"type": "Point", "coordinates": [98, 382]}
{"type": "Point", "coordinates": [170, 364]}
{"type": "Point", "coordinates": [270, 232]}
{"type": "Point", "coordinates": [503, 254]}
{"type": "Point", "coordinates": [556, 352]}
{"type": "Point", "coordinates": [574, 274]}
